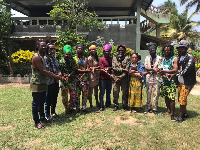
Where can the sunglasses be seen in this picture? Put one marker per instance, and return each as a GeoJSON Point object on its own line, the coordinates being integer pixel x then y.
{"type": "Point", "coordinates": [52, 48]}
{"type": "Point", "coordinates": [41, 40]}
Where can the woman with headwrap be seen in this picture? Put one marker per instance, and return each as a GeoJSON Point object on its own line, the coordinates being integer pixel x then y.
{"type": "Point", "coordinates": [105, 82]}
{"type": "Point", "coordinates": [83, 81]}
{"type": "Point", "coordinates": [68, 70]}
{"type": "Point", "coordinates": [93, 62]}
{"type": "Point", "coordinates": [120, 65]}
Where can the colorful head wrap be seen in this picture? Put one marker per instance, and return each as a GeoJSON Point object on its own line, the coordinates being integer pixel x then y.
{"type": "Point", "coordinates": [121, 46]}
{"type": "Point", "coordinates": [107, 47]}
{"type": "Point", "coordinates": [92, 47]}
{"type": "Point", "coordinates": [67, 49]}
{"type": "Point", "coordinates": [80, 45]}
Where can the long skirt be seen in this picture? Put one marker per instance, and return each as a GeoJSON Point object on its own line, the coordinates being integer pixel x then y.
{"type": "Point", "coordinates": [135, 92]}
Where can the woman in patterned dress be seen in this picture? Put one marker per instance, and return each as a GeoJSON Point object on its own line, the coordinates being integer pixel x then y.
{"type": "Point", "coordinates": [137, 73]}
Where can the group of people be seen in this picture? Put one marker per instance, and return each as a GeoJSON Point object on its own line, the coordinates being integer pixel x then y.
{"type": "Point", "coordinates": [81, 75]}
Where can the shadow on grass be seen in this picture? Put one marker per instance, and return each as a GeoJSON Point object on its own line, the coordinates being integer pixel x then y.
{"type": "Point", "coordinates": [191, 113]}
{"type": "Point", "coordinates": [67, 118]}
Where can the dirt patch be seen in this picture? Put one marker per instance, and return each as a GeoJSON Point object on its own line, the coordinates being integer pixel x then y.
{"type": "Point", "coordinates": [99, 122]}
{"type": "Point", "coordinates": [93, 123]}
{"type": "Point", "coordinates": [21, 85]}
{"type": "Point", "coordinates": [33, 143]}
{"type": "Point", "coordinates": [126, 120]}
{"type": "Point", "coordinates": [7, 128]}
{"type": "Point", "coordinates": [89, 124]}
{"type": "Point", "coordinates": [196, 88]}
{"type": "Point", "coordinates": [13, 85]}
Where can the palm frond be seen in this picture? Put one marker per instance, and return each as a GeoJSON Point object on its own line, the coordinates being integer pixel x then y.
{"type": "Point", "coordinates": [188, 27]}
{"type": "Point", "coordinates": [190, 4]}
{"type": "Point", "coordinates": [194, 13]}
{"type": "Point", "coordinates": [183, 2]}
{"type": "Point", "coordinates": [198, 7]}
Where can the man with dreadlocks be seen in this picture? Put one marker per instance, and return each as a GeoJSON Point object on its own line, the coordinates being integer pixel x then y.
{"type": "Point", "coordinates": [168, 88]}
{"type": "Point", "coordinates": [120, 64]}
{"type": "Point", "coordinates": [153, 64]}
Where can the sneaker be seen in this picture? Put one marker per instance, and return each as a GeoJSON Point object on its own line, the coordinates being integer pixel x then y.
{"type": "Point", "coordinates": [173, 118]}
{"type": "Point", "coordinates": [44, 120]}
{"type": "Point", "coordinates": [155, 113]}
{"type": "Point", "coordinates": [185, 115]}
{"type": "Point", "coordinates": [148, 111]}
{"type": "Point", "coordinates": [179, 119]}
{"type": "Point", "coordinates": [54, 115]}
{"type": "Point", "coordinates": [48, 119]}
{"type": "Point", "coordinates": [133, 111]}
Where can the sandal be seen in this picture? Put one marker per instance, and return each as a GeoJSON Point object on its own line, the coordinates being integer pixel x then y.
{"type": "Point", "coordinates": [115, 109]}
{"type": "Point", "coordinates": [39, 126]}
{"type": "Point", "coordinates": [84, 110]}
{"type": "Point", "coordinates": [101, 109]}
{"type": "Point", "coordinates": [166, 113]}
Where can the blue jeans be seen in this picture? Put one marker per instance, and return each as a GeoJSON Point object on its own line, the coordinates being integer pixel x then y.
{"type": "Point", "coordinates": [105, 85]}
{"type": "Point", "coordinates": [51, 98]}
{"type": "Point", "coordinates": [38, 106]}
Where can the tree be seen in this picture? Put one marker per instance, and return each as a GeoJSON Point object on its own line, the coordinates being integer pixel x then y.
{"type": "Point", "coordinates": [191, 3]}
{"type": "Point", "coordinates": [5, 29]}
{"type": "Point", "coordinates": [69, 15]}
{"type": "Point", "coordinates": [181, 27]}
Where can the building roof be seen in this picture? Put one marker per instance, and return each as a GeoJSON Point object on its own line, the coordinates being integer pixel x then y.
{"type": "Point", "coordinates": [39, 8]}
{"type": "Point", "coordinates": [147, 38]}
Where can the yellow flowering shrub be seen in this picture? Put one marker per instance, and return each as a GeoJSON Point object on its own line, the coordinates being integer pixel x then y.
{"type": "Point", "coordinates": [197, 65]}
{"type": "Point", "coordinates": [22, 56]}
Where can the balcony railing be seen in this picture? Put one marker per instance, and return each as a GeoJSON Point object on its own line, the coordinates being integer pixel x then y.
{"type": "Point", "coordinates": [27, 21]}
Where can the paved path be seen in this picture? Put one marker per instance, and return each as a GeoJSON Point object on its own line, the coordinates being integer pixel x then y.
{"type": "Point", "coordinates": [196, 89]}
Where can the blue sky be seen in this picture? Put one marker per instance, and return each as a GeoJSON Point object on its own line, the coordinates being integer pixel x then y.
{"type": "Point", "coordinates": [155, 3]}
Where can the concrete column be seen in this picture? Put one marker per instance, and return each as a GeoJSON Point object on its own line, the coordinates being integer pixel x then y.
{"type": "Point", "coordinates": [158, 31]}
{"type": "Point", "coordinates": [138, 34]}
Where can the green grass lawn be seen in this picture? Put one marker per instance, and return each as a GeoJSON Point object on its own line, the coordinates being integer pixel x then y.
{"type": "Point", "coordinates": [106, 130]}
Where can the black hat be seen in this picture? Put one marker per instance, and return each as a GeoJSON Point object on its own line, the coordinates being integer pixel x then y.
{"type": "Point", "coordinates": [152, 46]}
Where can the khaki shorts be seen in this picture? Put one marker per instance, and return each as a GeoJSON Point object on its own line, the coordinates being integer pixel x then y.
{"type": "Point", "coordinates": [182, 94]}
